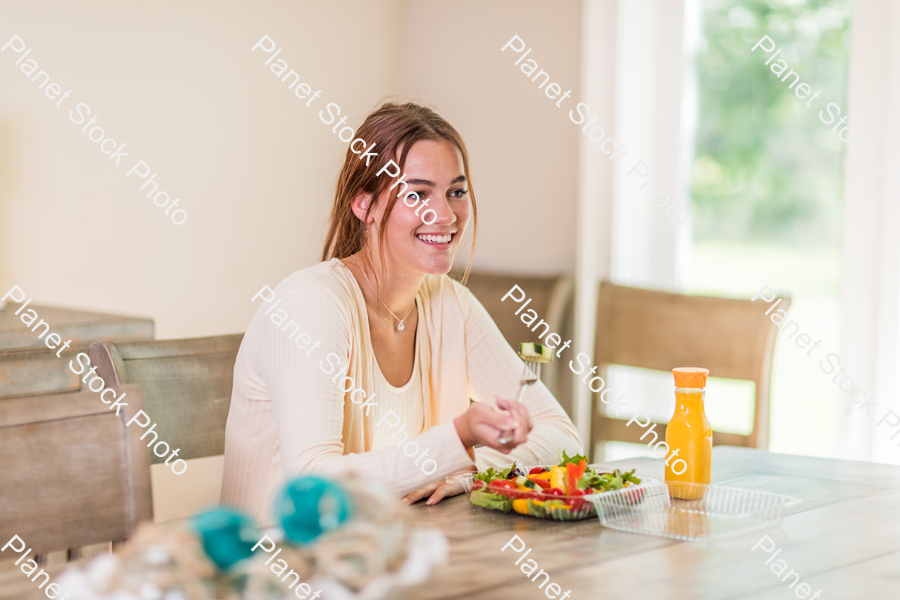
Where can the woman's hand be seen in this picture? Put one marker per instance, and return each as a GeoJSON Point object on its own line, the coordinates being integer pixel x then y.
{"type": "Point", "coordinates": [483, 423]}
{"type": "Point", "coordinates": [443, 488]}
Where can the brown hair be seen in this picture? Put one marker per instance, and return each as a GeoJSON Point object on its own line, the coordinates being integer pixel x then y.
{"type": "Point", "coordinates": [387, 128]}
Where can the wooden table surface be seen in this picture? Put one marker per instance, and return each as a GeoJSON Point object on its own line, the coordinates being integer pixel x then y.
{"type": "Point", "coordinates": [843, 539]}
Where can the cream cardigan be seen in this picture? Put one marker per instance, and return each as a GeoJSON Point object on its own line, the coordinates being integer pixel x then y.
{"type": "Point", "coordinates": [288, 417]}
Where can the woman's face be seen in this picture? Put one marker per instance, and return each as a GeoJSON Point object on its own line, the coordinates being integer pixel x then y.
{"type": "Point", "coordinates": [434, 171]}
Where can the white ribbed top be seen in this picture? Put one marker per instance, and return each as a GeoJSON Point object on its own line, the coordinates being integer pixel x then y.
{"type": "Point", "coordinates": [405, 400]}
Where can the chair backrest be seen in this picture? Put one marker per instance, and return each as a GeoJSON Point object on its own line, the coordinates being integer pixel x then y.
{"type": "Point", "coordinates": [552, 298]}
{"type": "Point", "coordinates": [73, 474]}
{"type": "Point", "coordinates": [661, 330]}
{"type": "Point", "coordinates": [186, 384]}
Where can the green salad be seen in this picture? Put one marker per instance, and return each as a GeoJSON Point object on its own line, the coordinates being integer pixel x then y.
{"type": "Point", "coordinates": [555, 492]}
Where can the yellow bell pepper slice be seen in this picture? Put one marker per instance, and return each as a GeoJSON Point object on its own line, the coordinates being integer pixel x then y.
{"type": "Point", "coordinates": [520, 506]}
{"type": "Point", "coordinates": [558, 478]}
{"type": "Point", "coordinates": [545, 475]}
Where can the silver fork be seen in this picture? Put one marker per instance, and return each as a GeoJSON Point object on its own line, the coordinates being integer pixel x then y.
{"type": "Point", "coordinates": [529, 377]}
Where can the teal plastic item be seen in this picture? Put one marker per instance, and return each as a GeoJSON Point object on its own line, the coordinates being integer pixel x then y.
{"type": "Point", "coordinates": [227, 536]}
{"type": "Point", "coordinates": [310, 506]}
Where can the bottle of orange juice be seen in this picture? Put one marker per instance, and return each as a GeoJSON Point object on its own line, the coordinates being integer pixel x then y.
{"type": "Point", "coordinates": [689, 433]}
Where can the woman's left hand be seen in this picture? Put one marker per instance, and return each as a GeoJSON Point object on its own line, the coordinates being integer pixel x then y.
{"type": "Point", "coordinates": [442, 488]}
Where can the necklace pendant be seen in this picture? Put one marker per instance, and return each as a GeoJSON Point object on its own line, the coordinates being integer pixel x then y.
{"type": "Point", "coordinates": [400, 327]}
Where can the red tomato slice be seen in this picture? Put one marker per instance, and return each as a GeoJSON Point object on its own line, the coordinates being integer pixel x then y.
{"type": "Point", "coordinates": [502, 483]}
{"type": "Point", "coordinates": [506, 488]}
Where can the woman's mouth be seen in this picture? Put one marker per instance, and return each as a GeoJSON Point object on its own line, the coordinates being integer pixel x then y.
{"type": "Point", "coordinates": [436, 239]}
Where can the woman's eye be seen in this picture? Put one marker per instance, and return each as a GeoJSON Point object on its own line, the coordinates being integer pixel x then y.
{"type": "Point", "coordinates": [459, 193]}
{"type": "Point", "coordinates": [412, 198]}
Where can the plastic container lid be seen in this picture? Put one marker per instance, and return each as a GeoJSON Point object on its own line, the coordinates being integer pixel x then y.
{"type": "Point", "coordinates": [719, 512]}
{"type": "Point", "coordinates": [690, 377]}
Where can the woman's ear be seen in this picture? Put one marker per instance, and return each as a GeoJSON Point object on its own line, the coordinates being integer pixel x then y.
{"type": "Point", "coordinates": [360, 205]}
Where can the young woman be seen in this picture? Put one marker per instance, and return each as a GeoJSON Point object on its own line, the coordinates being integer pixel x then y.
{"type": "Point", "coordinates": [375, 369]}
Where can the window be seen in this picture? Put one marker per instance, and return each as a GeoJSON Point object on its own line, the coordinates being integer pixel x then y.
{"type": "Point", "coordinates": [766, 191]}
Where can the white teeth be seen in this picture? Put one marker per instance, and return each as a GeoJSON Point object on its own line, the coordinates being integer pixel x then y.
{"type": "Point", "coordinates": [435, 239]}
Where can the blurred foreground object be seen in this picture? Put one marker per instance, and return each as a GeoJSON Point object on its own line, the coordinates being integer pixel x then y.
{"type": "Point", "coordinates": [342, 538]}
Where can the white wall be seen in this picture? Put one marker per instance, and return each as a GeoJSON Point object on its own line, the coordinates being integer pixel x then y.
{"type": "Point", "coordinates": [253, 166]}
{"type": "Point", "coordinates": [523, 149]}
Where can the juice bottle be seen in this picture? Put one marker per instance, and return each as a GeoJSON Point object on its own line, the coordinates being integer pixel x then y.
{"type": "Point", "coordinates": [689, 433]}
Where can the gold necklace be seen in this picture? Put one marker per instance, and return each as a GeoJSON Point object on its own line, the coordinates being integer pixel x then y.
{"type": "Point", "coordinates": [400, 327]}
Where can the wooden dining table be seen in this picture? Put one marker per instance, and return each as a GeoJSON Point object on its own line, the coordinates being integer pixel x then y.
{"type": "Point", "coordinates": [843, 539]}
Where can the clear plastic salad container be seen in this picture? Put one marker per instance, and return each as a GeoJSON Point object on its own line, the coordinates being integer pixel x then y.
{"type": "Point", "coordinates": [539, 503]}
{"type": "Point", "coordinates": [712, 513]}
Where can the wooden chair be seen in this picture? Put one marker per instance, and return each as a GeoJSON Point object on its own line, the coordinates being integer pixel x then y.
{"type": "Point", "coordinates": [186, 385]}
{"type": "Point", "coordinates": [73, 474]}
{"type": "Point", "coordinates": [553, 300]}
{"type": "Point", "coordinates": [660, 330]}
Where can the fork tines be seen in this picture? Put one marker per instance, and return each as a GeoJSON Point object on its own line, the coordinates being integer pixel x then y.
{"type": "Point", "coordinates": [532, 371]}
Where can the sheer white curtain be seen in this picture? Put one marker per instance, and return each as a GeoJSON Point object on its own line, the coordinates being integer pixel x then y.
{"type": "Point", "coordinates": [637, 46]}
{"type": "Point", "coordinates": [651, 68]}
{"type": "Point", "coordinates": [595, 187]}
{"type": "Point", "coordinates": [871, 244]}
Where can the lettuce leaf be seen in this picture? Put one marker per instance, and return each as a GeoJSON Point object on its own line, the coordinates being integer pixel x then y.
{"type": "Point", "coordinates": [537, 510]}
{"type": "Point", "coordinates": [591, 479]}
{"type": "Point", "coordinates": [492, 500]}
{"type": "Point", "coordinates": [629, 476]}
{"type": "Point", "coordinates": [565, 458]}
{"type": "Point", "coordinates": [607, 481]}
{"type": "Point", "coordinates": [490, 475]}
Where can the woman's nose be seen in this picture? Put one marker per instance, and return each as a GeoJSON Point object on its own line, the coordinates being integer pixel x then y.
{"type": "Point", "coordinates": [443, 211]}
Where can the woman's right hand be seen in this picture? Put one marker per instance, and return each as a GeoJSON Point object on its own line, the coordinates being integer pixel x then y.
{"type": "Point", "coordinates": [483, 423]}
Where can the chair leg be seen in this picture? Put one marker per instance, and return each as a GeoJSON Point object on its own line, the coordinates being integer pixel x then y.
{"type": "Point", "coordinates": [41, 560]}
{"type": "Point", "coordinates": [73, 554]}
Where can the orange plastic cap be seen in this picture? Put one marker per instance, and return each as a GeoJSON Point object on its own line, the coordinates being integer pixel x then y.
{"type": "Point", "coordinates": [690, 377]}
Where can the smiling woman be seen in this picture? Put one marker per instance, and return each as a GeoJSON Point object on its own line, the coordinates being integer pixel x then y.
{"type": "Point", "coordinates": [399, 328]}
